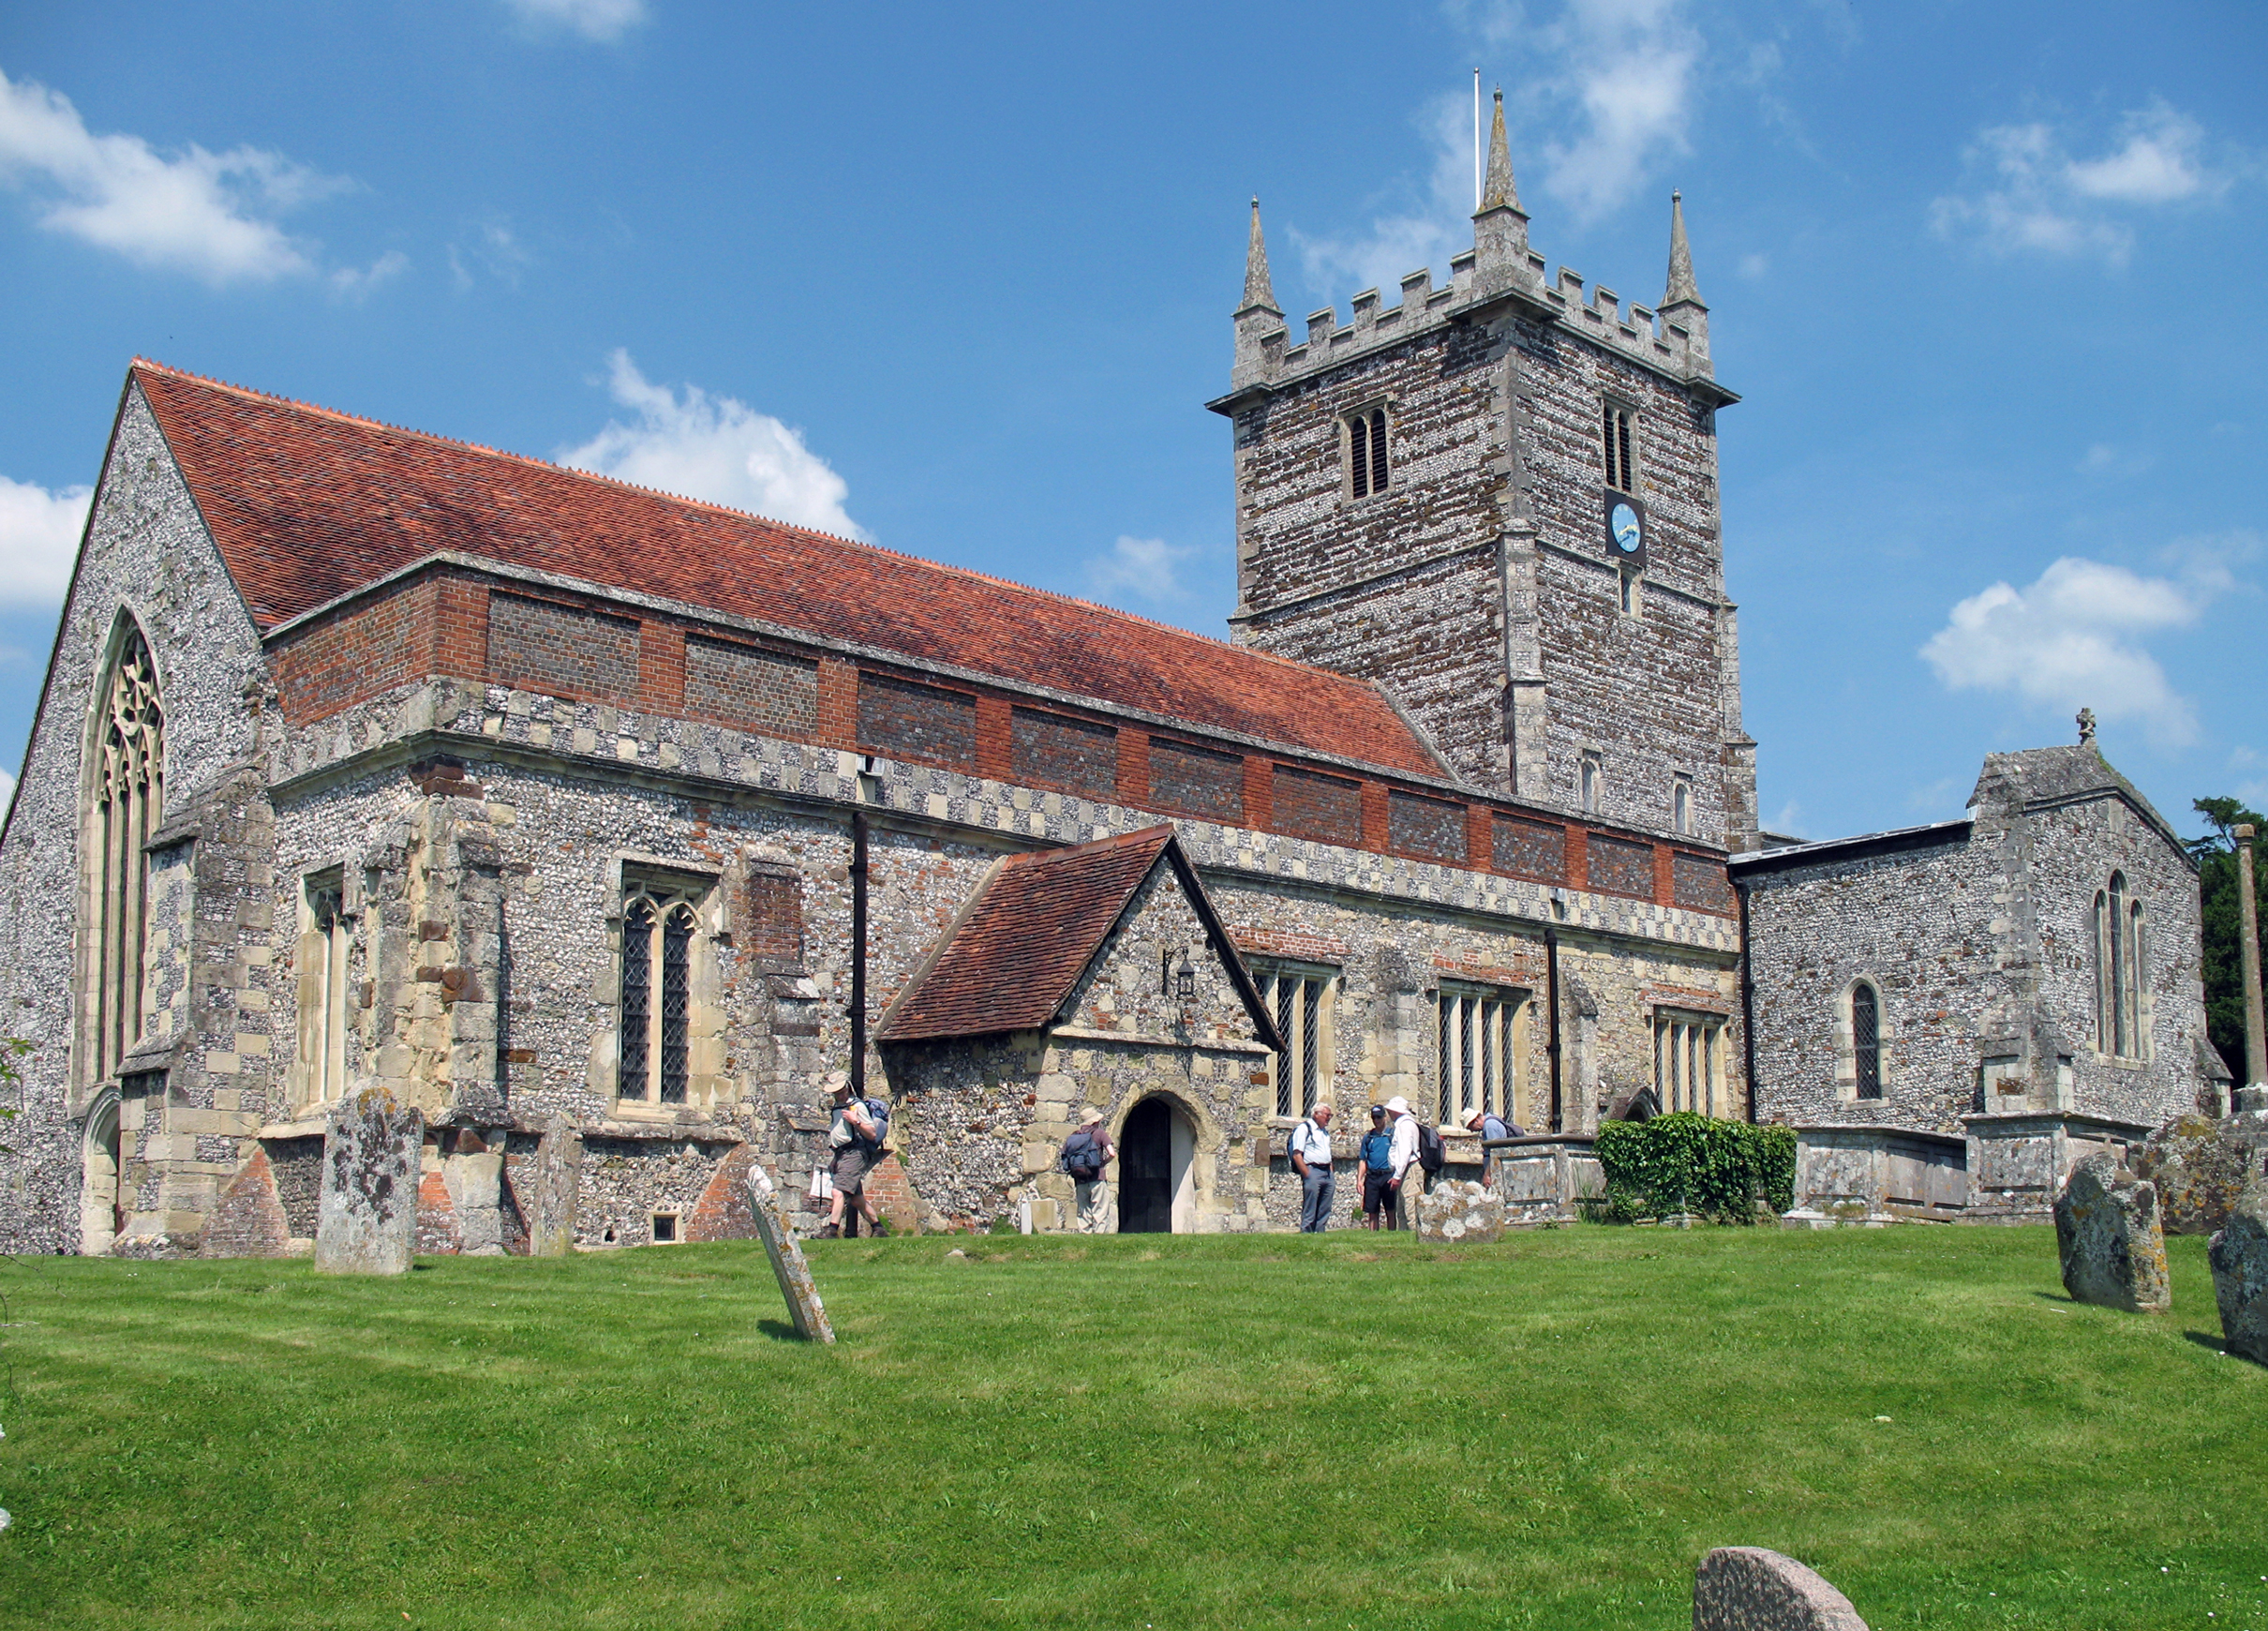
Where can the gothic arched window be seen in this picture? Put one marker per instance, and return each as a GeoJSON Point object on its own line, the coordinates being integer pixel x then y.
{"type": "Point", "coordinates": [659, 928]}
{"type": "Point", "coordinates": [1866, 1039]}
{"type": "Point", "coordinates": [1367, 471]}
{"type": "Point", "coordinates": [2118, 971]}
{"type": "Point", "coordinates": [128, 805]}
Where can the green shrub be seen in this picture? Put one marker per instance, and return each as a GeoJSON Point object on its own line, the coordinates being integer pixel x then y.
{"type": "Point", "coordinates": [1683, 1162]}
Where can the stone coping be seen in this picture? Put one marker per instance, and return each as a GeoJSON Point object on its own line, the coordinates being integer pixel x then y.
{"type": "Point", "coordinates": [2013, 1119]}
{"type": "Point", "coordinates": [1144, 1039]}
{"type": "Point", "coordinates": [1881, 1129]}
{"type": "Point", "coordinates": [1541, 1141]}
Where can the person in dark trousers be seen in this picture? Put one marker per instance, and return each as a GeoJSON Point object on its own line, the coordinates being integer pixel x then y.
{"type": "Point", "coordinates": [1378, 1173]}
{"type": "Point", "coordinates": [1311, 1160]}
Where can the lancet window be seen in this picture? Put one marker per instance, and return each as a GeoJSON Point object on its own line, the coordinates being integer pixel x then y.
{"type": "Point", "coordinates": [2119, 946]}
{"type": "Point", "coordinates": [128, 806]}
{"type": "Point", "coordinates": [661, 922]}
{"type": "Point", "coordinates": [1367, 468]}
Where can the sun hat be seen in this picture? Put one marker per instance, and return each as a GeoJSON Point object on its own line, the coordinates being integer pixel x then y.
{"type": "Point", "coordinates": [1088, 1113]}
{"type": "Point", "coordinates": [1397, 1105]}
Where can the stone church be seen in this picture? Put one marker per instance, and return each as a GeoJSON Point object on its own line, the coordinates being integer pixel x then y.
{"type": "Point", "coordinates": [606, 828]}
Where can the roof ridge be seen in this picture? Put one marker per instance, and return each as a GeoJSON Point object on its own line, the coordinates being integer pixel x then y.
{"type": "Point", "coordinates": [323, 411]}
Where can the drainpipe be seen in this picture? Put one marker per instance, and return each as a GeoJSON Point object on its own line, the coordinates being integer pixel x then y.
{"type": "Point", "coordinates": [1551, 983]}
{"type": "Point", "coordinates": [1748, 1003]}
{"type": "Point", "coordinates": [858, 1000]}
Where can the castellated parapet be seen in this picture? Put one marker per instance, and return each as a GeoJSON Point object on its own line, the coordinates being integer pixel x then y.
{"type": "Point", "coordinates": [1467, 568]}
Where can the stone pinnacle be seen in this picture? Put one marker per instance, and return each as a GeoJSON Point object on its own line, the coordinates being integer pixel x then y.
{"type": "Point", "coordinates": [1681, 291]}
{"type": "Point", "coordinates": [1259, 297]}
{"type": "Point", "coordinates": [1498, 191]}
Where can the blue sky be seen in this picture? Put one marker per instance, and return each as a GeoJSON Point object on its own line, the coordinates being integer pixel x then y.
{"type": "Point", "coordinates": [957, 279]}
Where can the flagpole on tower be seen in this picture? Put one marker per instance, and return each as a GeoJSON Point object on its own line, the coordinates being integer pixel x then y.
{"type": "Point", "coordinates": [1476, 141]}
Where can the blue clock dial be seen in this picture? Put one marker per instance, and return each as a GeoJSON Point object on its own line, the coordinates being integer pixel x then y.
{"type": "Point", "coordinates": [1623, 522]}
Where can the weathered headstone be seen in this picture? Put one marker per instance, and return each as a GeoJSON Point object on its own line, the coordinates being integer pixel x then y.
{"type": "Point", "coordinates": [1463, 1212]}
{"type": "Point", "coordinates": [787, 1262]}
{"type": "Point", "coordinates": [2201, 1166]}
{"type": "Point", "coordinates": [551, 1192]}
{"type": "Point", "coordinates": [367, 1216]}
{"type": "Point", "coordinates": [2108, 1236]}
{"type": "Point", "coordinates": [1746, 1588]}
{"type": "Point", "coordinates": [2239, 1255]}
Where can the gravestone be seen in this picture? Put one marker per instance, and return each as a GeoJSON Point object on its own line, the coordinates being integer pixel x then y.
{"type": "Point", "coordinates": [1463, 1212]}
{"type": "Point", "coordinates": [2239, 1255]}
{"type": "Point", "coordinates": [1746, 1588]}
{"type": "Point", "coordinates": [2108, 1236]}
{"type": "Point", "coordinates": [552, 1191]}
{"type": "Point", "coordinates": [366, 1214]}
{"type": "Point", "coordinates": [787, 1262]}
{"type": "Point", "coordinates": [2201, 1166]}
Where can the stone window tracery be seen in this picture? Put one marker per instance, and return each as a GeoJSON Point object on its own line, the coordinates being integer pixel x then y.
{"type": "Point", "coordinates": [1478, 1052]}
{"type": "Point", "coordinates": [1618, 438]}
{"type": "Point", "coordinates": [661, 922]}
{"type": "Point", "coordinates": [320, 973]}
{"type": "Point", "coordinates": [1300, 998]}
{"type": "Point", "coordinates": [1367, 467]}
{"type": "Point", "coordinates": [1688, 1060]}
{"type": "Point", "coordinates": [2119, 946]}
{"type": "Point", "coordinates": [128, 806]}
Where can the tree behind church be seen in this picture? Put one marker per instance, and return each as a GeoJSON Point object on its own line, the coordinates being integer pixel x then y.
{"type": "Point", "coordinates": [2215, 855]}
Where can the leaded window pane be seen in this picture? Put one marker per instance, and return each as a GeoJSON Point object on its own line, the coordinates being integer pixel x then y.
{"type": "Point", "coordinates": [637, 997]}
{"type": "Point", "coordinates": [677, 944]}
{"type": "Point", "coordinates": [1866, 1040]}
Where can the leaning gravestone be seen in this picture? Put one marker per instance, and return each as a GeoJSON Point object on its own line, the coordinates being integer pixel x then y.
{"type": "Point", "coordinates": [2108, 1236]}
{"type": "Point", "coordinates": [365, 1219]}
{"type": "Point", "coordinates": [1462, 1212]}
{"type": "Point", "coordinates": [787, 1262]}
{"type": "Point", "coordinates": [1746, 1588]}
{"type": "Point", "coordinates": [2239, 1255]}
{"type": "Point", "coordinates": [2201, 1167]}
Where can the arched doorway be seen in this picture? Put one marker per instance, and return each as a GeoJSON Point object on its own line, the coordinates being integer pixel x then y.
{"type": "Point", "coordinates": [1155, 1151]}
{"type": "Point", "coordinates": [101, 1195]}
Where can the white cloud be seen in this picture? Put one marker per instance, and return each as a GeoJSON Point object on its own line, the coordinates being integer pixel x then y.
{"type": "Point", "coordinates": [351, 283]}
{"type": "Point", "coordinates": [2030, 194]}
{"type": "Point", "coordinates": [1419, 233]}
{"type": "Point", "coordinates": [2073, 639]}
{"type": "Point", "coordinates": [715, 448]}
{"type": "Point", "coordinates": [1629, 66]}
{"type": "Point", "coordinates": [39, 541]}
{"type": "Point", "coordinates": [1789, 822]}
{"type": "Point", "coordinates": [196, 212]}
{"type": "Point", "coordinates": [1142, 567]}
{"type": "Point", "coordinates": [601, 19]}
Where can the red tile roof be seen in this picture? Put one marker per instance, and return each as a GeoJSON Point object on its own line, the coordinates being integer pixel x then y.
{"type": "Point", "coordinates": [307, 504]}
{"type": "Point", "coordinates": [1022, 943]}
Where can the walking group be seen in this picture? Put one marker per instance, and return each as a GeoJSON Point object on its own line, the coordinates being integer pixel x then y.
{"type": "Point", "coordinates": [1396, 1143]}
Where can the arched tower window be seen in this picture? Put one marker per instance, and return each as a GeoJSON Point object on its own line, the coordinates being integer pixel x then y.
{"type": "Point", "coordinates": [1866, 1039]}
{"type": "Point", "coordinates": [128, 805]}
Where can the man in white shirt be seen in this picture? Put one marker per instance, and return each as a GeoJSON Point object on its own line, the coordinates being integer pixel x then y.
{"type": "Point", "coordinates": [1311, 1160]}
{"type": "Point", "coordinates": [1401, 1156]}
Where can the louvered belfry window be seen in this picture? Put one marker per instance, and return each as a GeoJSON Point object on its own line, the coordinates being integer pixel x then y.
{"type": "Point", "coordinates": [1615, 441]}
{"type": "Point", "coordinates": [660, 927]}
{"type": "Point", "coordinates": [1367, 467]}
{"type": "Point", "coordinates": [129, 804]}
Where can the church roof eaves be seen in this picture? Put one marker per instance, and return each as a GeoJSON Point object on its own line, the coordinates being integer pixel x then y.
{"type": "Point", "coordinates": [352, 500]}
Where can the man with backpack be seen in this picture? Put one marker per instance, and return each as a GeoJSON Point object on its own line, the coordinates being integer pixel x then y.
{"type": "Point", "coordinates": [1378, 1200]}
{"type": "Point", "coordinates": [856, 1136]}
{"type": "Point", "coordinates": [1311, 1152]}
{"type": "Point", "coordinates": [1085, 1154]}
{"type": "Point", "coordinates": [1415, 1144]}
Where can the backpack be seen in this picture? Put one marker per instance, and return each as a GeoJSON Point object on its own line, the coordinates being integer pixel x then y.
{"type": "Point", "coordinates": [1432, 1152]}
{"type": "Point", "coordinates": [1378, 1151]}
{"type": "Point", "coordinates": [880, 1114]}
{"type": "Point", "coordinates": [1083, 1156]}
{"type": "Point", "coordinates": [1291, 1137]}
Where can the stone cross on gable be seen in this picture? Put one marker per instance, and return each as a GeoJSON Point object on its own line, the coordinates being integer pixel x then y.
{"type": "Point", "coordinates": [2086, 725]}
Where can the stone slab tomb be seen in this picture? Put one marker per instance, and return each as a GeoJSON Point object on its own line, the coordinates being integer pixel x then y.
{"type": "Point", "coordinates": [2108, 1237]}
{"type": "Point", "coordinates": [2239, 1254]}
{"type": "Point", "coordinates": [1460, 1212]}
{"type": "Point", "coordinates": [366, 1217]}
{"type": "Point", "coordinates": [1746, 1588]}
{"type": "Point", "coordinates": [2201, 1167]}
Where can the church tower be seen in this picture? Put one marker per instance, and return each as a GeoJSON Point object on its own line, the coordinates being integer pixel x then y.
{"type": "Point", "coordinates": [1499, 498]}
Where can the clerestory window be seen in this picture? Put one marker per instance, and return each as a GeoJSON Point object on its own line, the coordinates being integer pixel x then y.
{"type": "Point", "coordinates": [1369, 467]}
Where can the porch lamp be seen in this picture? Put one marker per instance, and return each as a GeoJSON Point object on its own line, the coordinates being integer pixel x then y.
{"type": "Point", "coordinates": [1185, 980]}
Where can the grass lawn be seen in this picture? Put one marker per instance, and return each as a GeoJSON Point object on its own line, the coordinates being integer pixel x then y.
{"type": "Point", "coordinates": [1137, 1431]}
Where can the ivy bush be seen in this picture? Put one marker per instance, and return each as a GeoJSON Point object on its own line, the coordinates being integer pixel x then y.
{"type": "Point", "coordinates": [1684, 1162]}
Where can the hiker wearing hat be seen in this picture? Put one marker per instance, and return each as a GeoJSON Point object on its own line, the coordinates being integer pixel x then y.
{"type": "Point", "coordinates": [856, 1139]}
{"type": "Point", "coordinates": [1489, 1125]}
{"type": "Point", "coordinates": [1085, 1154]}
{"type": "Point", "coordinates": [1401, 1155]}
{"type": "Point", "coordinates": [1310, 1153]}
{"type": "Point", "coordinates": [1378, 1171]}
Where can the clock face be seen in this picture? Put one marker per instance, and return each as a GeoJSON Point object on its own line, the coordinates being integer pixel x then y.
{"type": "Point", "coordinates": [1622, 526]}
